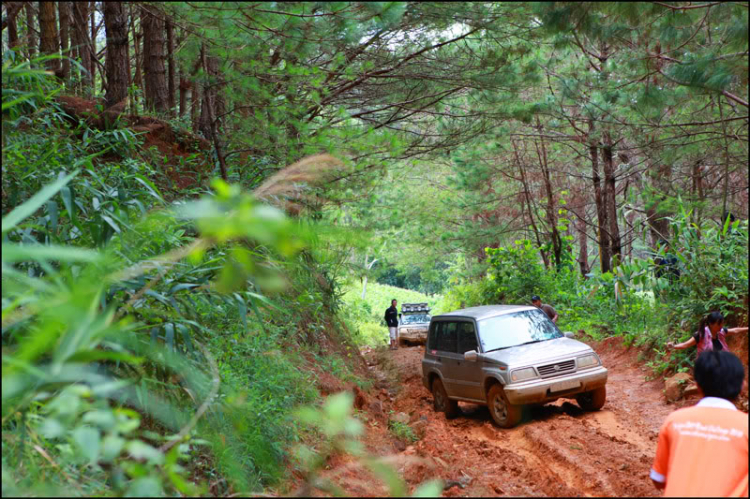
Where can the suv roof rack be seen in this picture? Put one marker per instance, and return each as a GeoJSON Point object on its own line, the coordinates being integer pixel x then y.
{"type": "Point", "coordinates": [415, 307]}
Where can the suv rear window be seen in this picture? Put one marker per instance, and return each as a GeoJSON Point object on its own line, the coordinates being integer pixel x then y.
{"type": "Point", "coordinates": [467, 339]}
{"type": "Point", "coordinates": [432, 339]}
{"type": "Point", "coordinates": [446, 336]}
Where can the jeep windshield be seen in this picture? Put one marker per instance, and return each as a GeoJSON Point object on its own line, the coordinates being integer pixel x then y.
{"type": "Point", "coordinates": [519, 328]}
{"type": "Point", "coordinates": [415, 319]}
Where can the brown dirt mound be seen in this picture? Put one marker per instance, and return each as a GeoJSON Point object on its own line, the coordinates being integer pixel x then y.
{"type": "Point", "coordinates": [174, 145]}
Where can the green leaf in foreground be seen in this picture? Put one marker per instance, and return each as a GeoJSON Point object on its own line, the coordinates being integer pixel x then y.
{"type": "Point", "coordinates": [20, 253]}
{"type": "Point", "coordinates": [34, 203]}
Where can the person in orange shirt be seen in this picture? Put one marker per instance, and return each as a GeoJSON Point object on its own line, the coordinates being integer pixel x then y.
{"type": "Point", "coordinates": [703, 450]}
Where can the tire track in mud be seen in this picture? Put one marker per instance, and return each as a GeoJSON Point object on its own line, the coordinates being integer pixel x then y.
{"type": "Point", "coordinates": [559, 450]}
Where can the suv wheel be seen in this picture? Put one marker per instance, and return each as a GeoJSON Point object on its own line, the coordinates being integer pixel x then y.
{"type": "Point", "coordinates": [442, 402]}
{"type": "Point", "coordinates": [593, 400]}
{"type": "Point", "coordinates": [504, 414]}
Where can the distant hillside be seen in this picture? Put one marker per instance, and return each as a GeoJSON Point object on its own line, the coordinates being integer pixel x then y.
{"type": "Point", "coordinates": [379, 296]}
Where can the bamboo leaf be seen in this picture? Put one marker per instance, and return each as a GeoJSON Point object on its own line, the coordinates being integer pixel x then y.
{"type": "Point", "coordinates": [25, 252]}
{"type": "Point", "coordinates": [34, 203]}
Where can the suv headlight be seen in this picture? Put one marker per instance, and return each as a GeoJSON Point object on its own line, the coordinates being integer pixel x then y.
{"type": "Point", "coordinates": [589, 360]}
{"type": "Point", "coordinates": [523, 374]}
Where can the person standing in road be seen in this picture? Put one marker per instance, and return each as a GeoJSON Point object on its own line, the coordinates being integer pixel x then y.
{"type": "Point", "coordinates": [391, 319]}
{"type": "Point", "coordinates": [703, 450]}
{"type": "Point", "coordinates": [547, 309]}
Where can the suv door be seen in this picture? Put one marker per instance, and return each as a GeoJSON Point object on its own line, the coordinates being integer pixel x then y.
{"type": "Point", "coordinates": [468, 373]}
{"type": "Point", "coordinates": [431, 360]}
{"type": "Point", "coordinates": [447, 347]}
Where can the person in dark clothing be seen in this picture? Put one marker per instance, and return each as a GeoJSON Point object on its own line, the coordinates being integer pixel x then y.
{"type": "Point", "coordinates": [547, 309]}
{"type": "Point", "coordinates": [391, 319]}
{"type": "Point", "coordinates": [667, 266]}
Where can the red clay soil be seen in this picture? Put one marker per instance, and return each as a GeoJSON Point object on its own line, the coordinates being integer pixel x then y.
{"type": "Point", "coordinates": [559, 450]}
{"type": "Point", "coordinates": [177, 146]}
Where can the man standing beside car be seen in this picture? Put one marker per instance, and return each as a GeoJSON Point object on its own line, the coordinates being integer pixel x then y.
{"type": "Point", "coordinates": [547, 309]}
{"type": "Point", "coordinates": [391, 319]}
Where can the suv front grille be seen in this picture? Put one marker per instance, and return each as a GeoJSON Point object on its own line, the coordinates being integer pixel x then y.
{"type": "Point", "coordinates": [562, 367]}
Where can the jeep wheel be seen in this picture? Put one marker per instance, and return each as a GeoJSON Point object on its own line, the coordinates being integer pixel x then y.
{"type": "Point", "coordinates": [442, 402]}
{"type": "Point", "coordinates": [504, 414]}
{"type": "Point", "coordinates": [593, 400]}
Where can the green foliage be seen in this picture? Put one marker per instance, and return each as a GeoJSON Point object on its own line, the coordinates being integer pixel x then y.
{"type": "Point", "coordinates": [108, 352]}
{"type": "Point", "coordinates": [517, 272]}
{"type": "Point", "coordinates": [402, 431]}
{"type": "Point", "coordinates": [714, 272]}
{"type": "Point", "coordinates": [472, 294]}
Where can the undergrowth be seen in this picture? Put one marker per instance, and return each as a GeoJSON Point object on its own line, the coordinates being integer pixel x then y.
{"type": "Point", "coordinates": [152, 343]}
{"type": "Point", "coordinates": [630, 302]}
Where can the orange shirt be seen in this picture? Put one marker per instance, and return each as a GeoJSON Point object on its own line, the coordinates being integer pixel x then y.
{"type": "Point", "coordinates": [703, 451]}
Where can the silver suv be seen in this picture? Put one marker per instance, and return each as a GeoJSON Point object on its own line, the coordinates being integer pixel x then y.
{"type": "Point", "coordinates": [413, 324]}
{"type": "Point", "coordinates": [507, 356]}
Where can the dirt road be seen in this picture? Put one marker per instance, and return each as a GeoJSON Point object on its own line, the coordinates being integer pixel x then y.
{"type": "Point", "coordinates": [559, 451]}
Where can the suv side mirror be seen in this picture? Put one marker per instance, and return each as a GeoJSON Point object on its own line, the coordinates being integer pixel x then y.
{"type": "Point", "coordinates": [568, 334]}
{"type": "Point", "coordinates": [471, 355]}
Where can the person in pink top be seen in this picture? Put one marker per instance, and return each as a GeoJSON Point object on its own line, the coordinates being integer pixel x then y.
{"type": "Point", "coordinates": [711, 335]}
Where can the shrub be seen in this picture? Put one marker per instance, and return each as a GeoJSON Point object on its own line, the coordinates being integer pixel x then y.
{"type": "Point", "coordinates": [517, 273]}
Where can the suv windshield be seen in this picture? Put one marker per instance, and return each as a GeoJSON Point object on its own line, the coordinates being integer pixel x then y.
{"type": "Point", "coordinates": [515, 329]}
{"type": "Point", "coordinates": [415, 319]}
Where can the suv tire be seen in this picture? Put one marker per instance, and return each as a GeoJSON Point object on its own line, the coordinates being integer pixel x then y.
{"type": "Point", "coordinates": [593, 400]}
{"type": "Point", "coordinates": [442, 402]}
{"type": "Point", "coordinates": [504, 414]}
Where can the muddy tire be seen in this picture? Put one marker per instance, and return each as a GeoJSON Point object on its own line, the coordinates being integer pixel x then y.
{"type": "Point", "coordinates": [593, 400]}
{"type": "Point", "coordinates": [504, 414]}
{"type": "Point", "coordinates": [442, 402]}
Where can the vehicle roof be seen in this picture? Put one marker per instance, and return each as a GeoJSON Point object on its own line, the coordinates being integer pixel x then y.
{"type": "Point", "coordinates": [486, 311]}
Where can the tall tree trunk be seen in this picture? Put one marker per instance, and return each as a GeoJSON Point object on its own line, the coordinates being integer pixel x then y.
{"type": "Point", "coordinates": [10, 19]}
{"type": "Point", "coordinates": [212, 88]}
{"type": "Point", "coordinates": [64, 11]}
{"type": "Point", "coordinates": [551, 208]}
{"type": "Point", "coordinates": [185, 88]}
{"type": "Point", "coordinates": [527, 197]}
{"type": "Point", "coordinates": [209, 103]}
{"type": "Point", "coordinates": [116, 25]}
{"type": "Point", "coordinates": [92, 42]}
{"type": "Point", "coordinates": [660, 178]}
{"type": "Point", "coordinates": [601, 211]}
{"type": "Point", "coordinates": [11, 11]}
{"type": "Point", "coordinates": [725, 189]}
{"type": "Point", "coordinates": [81, 35]}
{"type": "Point", "coordinates": [195, 107]}
{"type": "Point", "coordinates": [48, 41]}
{"type": "Point", "coordinates": [30, 31]}
{"type": "Point", "coordinates": [127, 52]}
{"type": "Point", "coordinates": [583, 248]}
{"type": "Point", "coordinates": [698, 192]}
{"type": "Point", "coordinates": [138, 77]}
{"type": "Point", "coordinates": [611, 198]}
{"type": "Point", "coordinates": [153, 58]}
{"type": "Point", "coordinates": [171, 77]}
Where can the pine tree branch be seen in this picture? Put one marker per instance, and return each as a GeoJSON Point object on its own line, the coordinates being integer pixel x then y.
{"type": "Point", "coordinates": [688, 7]}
